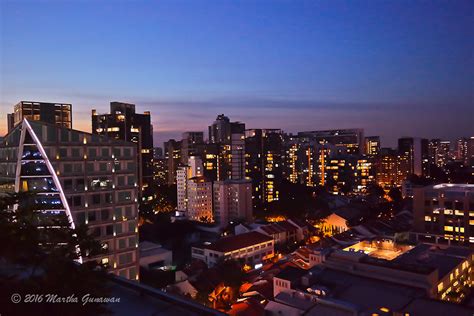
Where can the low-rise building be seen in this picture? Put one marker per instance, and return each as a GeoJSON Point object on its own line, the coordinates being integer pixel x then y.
{"type": "Point", "coordinates": [445, 209]}
{"type": "Point", "coordinates": [253, 248]}
{"type": "Point", "coordinates": [282, 232]}
{"type": "Point", "coordinates": [154, 256]}
{"type": "Point", "coordinates": [378, 277]}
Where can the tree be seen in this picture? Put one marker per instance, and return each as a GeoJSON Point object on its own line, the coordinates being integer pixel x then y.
{"type": "Point", "coordinates": [40, 261]}
{"type": "Point", "coordinates": [395, 195]}
{"type": "Point", "coordinates": [376, 191]}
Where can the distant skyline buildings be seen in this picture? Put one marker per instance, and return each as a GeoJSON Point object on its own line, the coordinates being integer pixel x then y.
{"type": "Point", "coordinates": [386, 124]}
{"type": "Point", "coordinates": [305, 66]}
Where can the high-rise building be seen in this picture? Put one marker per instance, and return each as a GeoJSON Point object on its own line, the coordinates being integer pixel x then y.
{"type": "Point", "coordinates": [291, 148]}
{"type": "Point", "coordinates": [365, 173]}
{"type": "Point", "coordinates": [461, 149]}
{"type": "Point", "coordinates": [446, 210]}
{"type": "Point", "coordinates": [124, 123]}
{"type": "Point", "coordinates": [346, 141]}
{"type": "Point", "coordinates": [386, 169]}
{"type": "Point", "coordinates": [213, 162]}
{"type": "Point", "coordinates": [416, 150]}
{"type": "Point", "coordinates": [194, 191]}
{"type": "Point", "coordinates": [219, 131]}
{"type": "Point", "coordinates": [157, 152]}
{"type": "Point", "coordinates": [470, 152]}
{"type": "Point", "coordinates": [173, 159]}
{"type": "Point", "coordinates": [391, 168]}
{"type": "Point", "coordinates": [231, 138]}
{"type": "Point", "coordinates": [53, 113]}
{"type": "Point", "coordinates": [10, 121]}
{"type": "Point", "coordinates": [439, 152]}
{"type": "Point", "coordinates": [237, 151]}
{"type": "Point", "coordinates": [372, 145]}
{"type": "Point", "coordinates": [199, 199]}
{"type": "Point", "coordinates": [263, 162]}
{"type": "Point", "coordinates": [232, 201]}
{"type": "Point", "coordinates": [160, 170]}
{"type": "Point", "coordinates": [89, 179]}
{"type": "Point", "coordinates": [182, 189]}
{"type": "Point", "coordinates": [192, 144]}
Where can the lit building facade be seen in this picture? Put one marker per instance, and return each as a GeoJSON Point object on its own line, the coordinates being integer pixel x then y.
{"type": "Point", "coordinates": [199, 192]}
{"type": "Point", "coordinates": [291, 147]}
{"type": "Point", "coordinates": [365, 173]}
{"type": "Point", "coordinates": [439, 152]}
{"type": "Point", "coordinates": [231, 138]}
{"type": "Point", "coordinates": [461, 149]}
{"type": "Point", "coordinates": [263, 162]}
{"type": "Point", "coordinates": [252, 247]}
{"type": "Point", "coordinates": [446, 210]}
{"type": "Point", "coordinates": [89, 178]}
{"type": "Point", "coordinates": [372, 146]}
{"type": "Point", "coordinates": [194, 192]}
{"type": "Point", "coordinates": [123, 123]}
{"type": "Point", "coordinates": [391, 168]}
{"type": "Point", "coordinates": [346, 141]}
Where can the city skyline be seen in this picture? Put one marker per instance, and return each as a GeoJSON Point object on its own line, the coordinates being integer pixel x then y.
{"type": "Point", "coordinates": [300, 66]}
{"type": "Point", "coordinates": [237, 157]}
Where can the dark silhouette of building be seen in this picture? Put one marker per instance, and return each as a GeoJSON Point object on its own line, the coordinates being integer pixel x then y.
{"type": "Point", "coordinates": [192, 144]}
{"type": "Point", "coordinates": [173, 159]}
{"type": "Point", "coordinates": [53, 113]}
{"type": "Point", "coordinates": [416, 151]}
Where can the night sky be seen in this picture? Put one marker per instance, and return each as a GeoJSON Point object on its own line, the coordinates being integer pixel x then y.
{"type": "Point", "coordinates": [394, 68]}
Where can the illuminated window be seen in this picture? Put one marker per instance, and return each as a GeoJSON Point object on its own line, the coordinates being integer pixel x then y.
{"type": "Point", "coordinates": [440, 287]}
{"type": "Point", "coordinates": [448, 228]}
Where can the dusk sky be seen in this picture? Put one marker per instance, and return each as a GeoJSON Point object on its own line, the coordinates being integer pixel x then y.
{"type": "Point", "coordinates": [394, 68]}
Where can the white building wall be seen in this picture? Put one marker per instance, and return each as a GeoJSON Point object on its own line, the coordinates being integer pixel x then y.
{"type": "Point", "coordinates": [181, 184]}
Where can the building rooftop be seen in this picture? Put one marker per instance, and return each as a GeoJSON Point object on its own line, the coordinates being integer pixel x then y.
{"type": "Point", "coordinates": [383, 249]}
{"type": "Point", "coordinates": [238, 242]}
{"type": "Point", "coordinates": [445, 260]}
{"type": "Point", "coordinates": [139, 299]}
{"type": "Point", "coordinates": [363, 292]}
{"type": "Point", "coordinates": [149, 249]}
{"type": "Point", "coordinates": [424, 306]}
{"type": "Point", "coordinates": [279, 227]}
{"type": "Point", "coordinates": [454, 187]}
{"type": "Point", "coordinates": [291, 274]}
{"type": "Point", "coordinates": [93, 138]}
{"type": "Point", "coordinates": [293, 301]}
